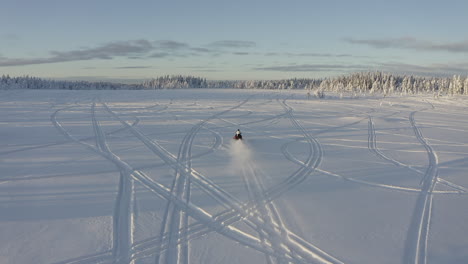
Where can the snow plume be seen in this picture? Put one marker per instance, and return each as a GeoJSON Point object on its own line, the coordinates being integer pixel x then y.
{"type": "Point", "coordinates": [243, 164]}
{"type": "Point", "coordinates": [241, 155]}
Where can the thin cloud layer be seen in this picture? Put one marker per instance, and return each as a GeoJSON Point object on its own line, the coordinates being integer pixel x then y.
{"type": "Point", "coordinates": [233, 44]}
{"type": "Point", "coordinates": [163, 49]}
{"type": "Point", "coordinates": [133, 67]}
{"type": "Point", "coordinates": [312, 68]}
{"type": "Point", "coordinates": [132, 49]}
{"type": "Point", "coordinates": [394, 67]}
{"type": "Point", "coordinates": [106, 52]}
{"type": "Point", "coordinates": [431, 70]}
{"type": "Point", "coordinates": [171, 45]}
{"type": "Point", "coordinates": [412, 44]}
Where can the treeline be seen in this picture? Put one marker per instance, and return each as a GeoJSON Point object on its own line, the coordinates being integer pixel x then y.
{"type": "Point", "coordinates": [27, 82]}
{"type": "Point", "coordinates": [358, 83]}
{"type": "Point", "coordinates": [175, 82]}
{"type": "Point", "coordinates": [361, 83]}
{"type": "Point", "coordinates": [166, 82]}
{"type": "Point", "coordinates": [268, 84]}
{"type": "Point", "coordinates": [378, 82]}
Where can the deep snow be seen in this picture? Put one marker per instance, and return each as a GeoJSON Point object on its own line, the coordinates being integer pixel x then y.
{"type": "Point", "coordinates": [155, 177]}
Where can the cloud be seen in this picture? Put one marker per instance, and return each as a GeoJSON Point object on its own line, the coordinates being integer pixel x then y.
{"type": "Point", "coordinates": [127, 80]}
{"type": "Point", "coordinates": [131, 49]}
{"type": "Point", "coordinates": [240, 53]}
{"type": "Point", "coordinates": [171, 45]}
{"type": "Point", "coordinates": [412, 44]}
{"type": "Point", "coordinates": [311, 54]}
{"type": "Point", "coordinates": [106, 51]}
{"type": "Point", "coordinates": [312, 68]}
{"type": "Point", "coordinates": [317, 55]}
{"type": "Point", "coordinates": [160, 55]}
{"type": "Point", "coordinates": [202, 50]}
{"type": "Point", "coordinates": [233, 44]}
{"type": "Point", "coordinates": [438, 69]}
{"type": "Point", "coordinates": [133, 67]}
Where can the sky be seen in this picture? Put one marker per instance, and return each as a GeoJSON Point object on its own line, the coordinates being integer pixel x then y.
{"type": "Point", "coordinates": [231, 40]}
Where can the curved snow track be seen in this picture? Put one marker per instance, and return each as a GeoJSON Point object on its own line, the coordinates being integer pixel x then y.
{"type": "Point", "coordinates": [240, 211]}
{"type": "Point", "coordinates": [161, 186]}
{"type": "Point", "coordinates": [418, 234]}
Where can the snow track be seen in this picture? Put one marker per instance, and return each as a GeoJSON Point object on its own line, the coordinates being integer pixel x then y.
{"type": "Point", "coordinates": [160, 190]}
{"type": "Point", "coordinates": [418, 234]}
{"type": "Point", "coordinates": [372, 145]}
{"type": "Point", "coordinates": [268, 212]}
{"type": "Point", "coordinates": [178, 253]}
{"type": "Point", "coordinates": [311, 163]}
{"type": "Point", "coordinates": [311, 254]}
{"type": "Point", "coordinates": [123, 212]}
{"type": "Point", "coordinates": [138, 181]}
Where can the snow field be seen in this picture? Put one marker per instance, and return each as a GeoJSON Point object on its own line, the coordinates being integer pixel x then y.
{"type": "Point", "coordinates": [155, 177]}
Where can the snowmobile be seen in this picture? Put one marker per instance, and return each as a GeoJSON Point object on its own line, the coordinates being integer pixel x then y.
{"type": "Point", "coordinates": [238, 135]}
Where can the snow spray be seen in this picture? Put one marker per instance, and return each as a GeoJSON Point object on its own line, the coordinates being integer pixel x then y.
{"type": "Point", "coordinates": [240, 154]}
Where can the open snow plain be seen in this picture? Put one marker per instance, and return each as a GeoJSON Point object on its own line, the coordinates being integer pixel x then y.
{"type": "Point", "coordinates": [155, 177]}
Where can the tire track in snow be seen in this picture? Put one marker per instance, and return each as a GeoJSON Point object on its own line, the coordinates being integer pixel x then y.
{"type": "Point", "coordinates": [204, 217]}
{"type": "Point", "coordinates": [179, 224]}
{"type": "Point", "coordinates": [372, 145]}
{"type": "Point", "coordinates": [311, 163]}
{"type": "Point", "coordinates": [178, 221]}
{"type": "Point", "coordinates": [179, 253]}
{"type": "Point", "coordinates": [253, 187]}
{"type": "Point", "coordinates": [267, 211]}
{"type": "Point", "coordinates": [123, 218]}
{"type": "Point", "coordinates": [293, 159]}
{"type": "Point", "coordinates": [309, 166]}
{"type": "Point", "coordinates": [251, 194]}
{"type": "Point", "coordinates": [173, 218]}
{"type": "Point", "coordinates": [313, 160]}
{"type": "Point", "coordinates": [123, 215]}
{"type": "Point", "coordinates": [102, 258]}
{"type": "Point", "coordinates": [137, 120]}
{"type": "Point", "coordinates": [296, 178]}
{"type": "Point", "coordinates": [307, 251]}
{"type": "Point", "coordinates": [418, 233]}
{"type": "Point", "coordinates": [195, 212]}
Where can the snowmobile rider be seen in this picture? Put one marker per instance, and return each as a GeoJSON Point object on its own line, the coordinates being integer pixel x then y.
{"type": "Point", "coordinates": [238, 134]}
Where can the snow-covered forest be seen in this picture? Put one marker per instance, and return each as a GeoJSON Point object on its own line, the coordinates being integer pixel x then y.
{"type": "Point", "coordinates": [27, 82]}
{"type": "Point", "coordinates": [174, 82]}
{"type": "Point", "coordinates": [357, 83]}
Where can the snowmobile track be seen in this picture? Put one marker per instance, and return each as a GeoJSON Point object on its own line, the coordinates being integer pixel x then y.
{"type": "Point", "coordinates": [418, 233]}
{"type": "Point", "coordinates": [372, 145]}
{"type": "Point", "coordinates": [195, 212]}
{"type": "Point", "coordinates": [310, 253]}
{"type": "Point", "coordinates": [123, 213]}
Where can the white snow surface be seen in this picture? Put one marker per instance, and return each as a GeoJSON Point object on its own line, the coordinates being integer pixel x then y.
{"type": "Point", "coordinates": [155, 177]}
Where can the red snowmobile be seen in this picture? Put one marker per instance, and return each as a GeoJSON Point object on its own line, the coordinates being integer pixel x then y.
{"type": "Point", "coordinates": [238, 135]}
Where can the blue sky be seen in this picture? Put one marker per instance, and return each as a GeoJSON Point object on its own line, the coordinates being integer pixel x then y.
{"type": "Point", "coordinates": [219, 40]}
